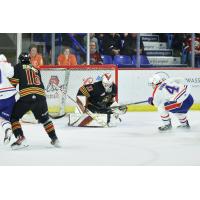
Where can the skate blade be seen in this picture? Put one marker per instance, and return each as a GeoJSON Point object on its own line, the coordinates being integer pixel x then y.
{"type": "Point", "coordinates": [57, 145]}
{"type": "Point", "coordinates": [165, 131]}
{"type": "Point", "coordinates": [19, 147]}
{"type": "Point", "coordinates": [183, 128]}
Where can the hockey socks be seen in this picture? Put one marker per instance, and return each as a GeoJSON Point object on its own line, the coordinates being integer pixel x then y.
{"type": "Point", "coordinates": [17, 129]}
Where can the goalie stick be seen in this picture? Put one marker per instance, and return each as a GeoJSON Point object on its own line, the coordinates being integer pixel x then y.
{"type": "Point", "coordinates": [57, 117]}
{"type": "Point", "coordinates": [90, 114]}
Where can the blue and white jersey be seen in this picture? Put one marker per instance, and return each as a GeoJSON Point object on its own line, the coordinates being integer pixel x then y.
{"type": "Point", "coordinates": [170, 90]}
{"type": "Point", "coordinates": [6, 72]}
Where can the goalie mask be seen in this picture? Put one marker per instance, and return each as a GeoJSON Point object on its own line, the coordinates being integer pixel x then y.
{"type": "Point", "coordinates": [107, 82]}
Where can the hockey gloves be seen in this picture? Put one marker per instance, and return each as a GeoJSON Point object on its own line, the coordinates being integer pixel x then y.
{"type": "Point", "coordinates": [150, 101]}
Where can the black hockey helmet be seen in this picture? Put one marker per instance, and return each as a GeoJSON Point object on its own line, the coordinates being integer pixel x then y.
{"type": "Point", "coordinates": [24, 58]}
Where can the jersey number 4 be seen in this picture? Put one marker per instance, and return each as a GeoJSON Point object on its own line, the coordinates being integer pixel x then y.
{"type": "Point", "coordinates": [171, 89]}
{"type": "Point", "coordinates": [32, 77]}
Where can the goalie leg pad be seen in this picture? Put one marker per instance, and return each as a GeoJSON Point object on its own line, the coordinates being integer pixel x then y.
{"type": "Point", "coordinates": [84, 120]}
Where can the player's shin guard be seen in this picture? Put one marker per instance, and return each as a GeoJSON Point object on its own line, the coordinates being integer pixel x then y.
{"type": "Point", "coordinates": [183, 120]}
{"type": "Point", "coordinates": [49, 127]}
{"type": "Point", "coordinates": [16, 128]}
{"type": "Point", "coordinates": [21, 140]}
{"type": "Point", "coordinates": [167, 123]}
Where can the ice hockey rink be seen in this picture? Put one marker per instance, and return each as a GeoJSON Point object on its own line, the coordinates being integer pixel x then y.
{"type": "Point", "coordinates": [135, 141]}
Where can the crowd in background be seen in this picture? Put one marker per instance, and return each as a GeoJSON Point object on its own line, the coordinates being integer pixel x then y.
{"type": "Point", "coordinates": [100, 44]}
{"type": "Point", "coordinates": [108, 44]}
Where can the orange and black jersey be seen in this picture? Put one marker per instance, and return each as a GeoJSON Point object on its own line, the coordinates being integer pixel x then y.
{"type": "Point", "coordinates": [96, 94]}
{"type": "Point", "coordinates": [29, 80]}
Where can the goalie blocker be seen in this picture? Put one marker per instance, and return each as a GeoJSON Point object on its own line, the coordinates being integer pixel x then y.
{"type": "Point", "coordinates": [95, 103]}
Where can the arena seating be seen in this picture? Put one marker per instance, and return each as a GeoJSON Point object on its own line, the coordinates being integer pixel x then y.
{"type": "Point", "coordinates": [126, 61]}
{"type": "Point", "coordinates": [156, 54]}
{"type": "Point", "coordinates": [122, 59]}
{"type": "Point", "coordinates": [159, 53]}
{"type": "Point", "coordinates": [143, 60]}
{"type": "Point", "coordinates": [107, 59]}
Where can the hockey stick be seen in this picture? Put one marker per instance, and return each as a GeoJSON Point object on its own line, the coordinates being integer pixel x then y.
{"type": "Point", "coordinates": [57, 117]}
{"type": "Point", "coordinates": [88, 112]}
{"type": "Point", "coordinates": [128, 104]}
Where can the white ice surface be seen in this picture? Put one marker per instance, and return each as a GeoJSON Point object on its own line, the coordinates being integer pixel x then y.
{"type": "Point", "coordinates": [135, 141]}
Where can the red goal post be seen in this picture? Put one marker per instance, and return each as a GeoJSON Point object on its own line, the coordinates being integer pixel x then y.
{"type": "Point", "coordinates": [57, 79]}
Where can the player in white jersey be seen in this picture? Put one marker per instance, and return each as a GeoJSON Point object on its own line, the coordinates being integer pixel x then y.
{"type": "Point", "coordinates": [7, 96]}
{"type": "Point", "coordinates": [171, 95]}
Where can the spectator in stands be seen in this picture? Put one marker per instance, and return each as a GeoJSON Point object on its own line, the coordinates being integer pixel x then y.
{"type": "Point", "coordinates": [67, 58]}
{"type": "Point", "coordinates": [95, 57]}
{"type": "Point", "coordinates": [130, 45]}
{"type": "Point", "coordinates": [188, 47]}
{"type": "Point", "coordinates": [92, 39]}
{"type": "Point", "coordinates": [177, 43]}
{"type": "Point", "coordinates": [188, 44]}
{"type": "Point", "coordinates": [36, 58]}
{"type": "Point", "coordinates": [111, 44]}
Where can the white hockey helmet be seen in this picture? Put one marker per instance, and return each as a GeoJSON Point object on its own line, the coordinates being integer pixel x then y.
{"type": "Point", "coordinates": [156, 80]}
{"type": "Point", "coordinates": [3, 58]}
{"type": "Point", "coordinates": [107, 82]}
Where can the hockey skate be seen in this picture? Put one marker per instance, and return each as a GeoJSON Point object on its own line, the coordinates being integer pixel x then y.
{"type": "Point", "coordinates": [55, 142]}
{"type": "Point", "coordinates": [8, 135]}
{"type": "Point", "coordinates": [184, 126]}
{"type": "Point", "coordinates": [20, 143]}
{"type": "Point", "coordinates": [165, 127]}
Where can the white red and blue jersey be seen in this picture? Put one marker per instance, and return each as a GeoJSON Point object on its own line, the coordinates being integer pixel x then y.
{"type": "Point", "coordinates": [6, 88]}
{"type": "Point", "coordinates": [171, 94]}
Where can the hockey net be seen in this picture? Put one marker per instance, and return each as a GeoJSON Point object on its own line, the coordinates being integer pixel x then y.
{"type": "Point", "coordinates": [63, 81]}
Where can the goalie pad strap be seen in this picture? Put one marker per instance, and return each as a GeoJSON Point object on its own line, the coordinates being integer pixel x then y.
{"type": "Point", "coordinates": [86, 121]}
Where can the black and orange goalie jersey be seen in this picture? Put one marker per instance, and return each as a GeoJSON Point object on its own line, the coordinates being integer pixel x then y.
{"type": "Point", "coordinates": [29, 80]}
{"type": "Point", "coordinates": [96, 94]}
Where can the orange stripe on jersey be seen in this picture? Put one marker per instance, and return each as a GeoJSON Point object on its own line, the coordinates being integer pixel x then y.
{"type": "Point", "coordinates": [6, 88]}
{"type": "Point", "coordinates": [84, 91]}
{"type": "Point", "coordinates": [173, 106]}
{"type": "Point", "coordinates": [155, 90]}
{"type": "Point", "coordinates": [32, 90]}
{"type": "Point", "coordinates": [14, 81]}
